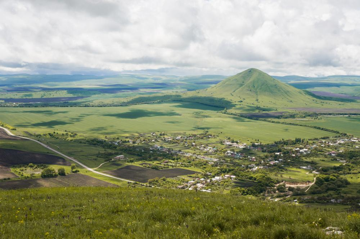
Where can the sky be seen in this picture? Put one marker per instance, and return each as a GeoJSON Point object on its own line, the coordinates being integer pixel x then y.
{"type": "Point", "coordinates": [180, 37]}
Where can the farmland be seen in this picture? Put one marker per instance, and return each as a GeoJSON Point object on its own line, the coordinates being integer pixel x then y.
{"type": "Point", "coordinates": [140, 174]}
{"type": "Point", "coordinates": [70, 180]}
{"type": "Point", "coordinates": [175, 117]}
{"type": "Point", "coordinates": [344, 124]}
{"type": "Point", "coordinates": [13, 157]}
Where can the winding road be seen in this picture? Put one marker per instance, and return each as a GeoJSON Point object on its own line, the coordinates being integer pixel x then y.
{"type": "Point", "coordinates": [65, 156]}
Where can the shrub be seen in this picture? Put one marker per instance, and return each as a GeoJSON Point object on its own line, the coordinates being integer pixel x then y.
{"type": "Point", "coordinates": [73, 168]}
{"type": "Point", "coordinates": [61, 171]}
{"type": "Point", "coordinates": [48, 173]}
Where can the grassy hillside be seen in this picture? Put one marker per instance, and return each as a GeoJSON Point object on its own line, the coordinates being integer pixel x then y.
{"type": "Point", "coordinates": [256, 88]}
{"type": "Point", "coordinates": [152, 213]}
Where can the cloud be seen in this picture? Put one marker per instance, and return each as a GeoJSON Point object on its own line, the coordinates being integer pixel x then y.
{"type": "Point", "coordinates": [183, 37]}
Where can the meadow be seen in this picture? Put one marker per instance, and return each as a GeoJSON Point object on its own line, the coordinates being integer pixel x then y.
{"type": "Point", "coordinates": [343, 124]}
{"type": "Point", "coordinates": [171, 117]}
{"type": "Point", "coordinates": [158, 213]}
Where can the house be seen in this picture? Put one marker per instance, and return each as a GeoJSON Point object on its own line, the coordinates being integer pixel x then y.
{"type": "Point", "coordinates": [119, 157]}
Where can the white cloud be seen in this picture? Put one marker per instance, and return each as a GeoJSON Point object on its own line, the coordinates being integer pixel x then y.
{"type": "Point", "coordinates": [185, 37]}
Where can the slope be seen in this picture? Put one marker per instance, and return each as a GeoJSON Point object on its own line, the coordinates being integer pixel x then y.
{"type": "Point", "coordinates": [253, 87]}
{"type": "Point", "coordinates": [154, 213]}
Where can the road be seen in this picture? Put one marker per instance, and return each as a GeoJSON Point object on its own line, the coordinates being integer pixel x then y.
{"type": "Point", "coordinates": [65, 156]}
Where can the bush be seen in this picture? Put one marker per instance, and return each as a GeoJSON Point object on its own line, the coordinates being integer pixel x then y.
{"type": "Point", "coordinates": [73, 168]}
{"type": "Point", "coordinates": [61, 171]}
{"type": "Point", "coordinates": [48, 173]}
{"type": "Point", "coordinates": [281, 188]}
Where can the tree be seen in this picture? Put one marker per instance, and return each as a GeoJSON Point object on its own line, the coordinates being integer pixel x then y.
{"type": "Point", "coordinates": [73, 168]}
{"type": "Point", "coordinates": [61, 171]}
{"type": "Point", "coordinates": [48, 173]}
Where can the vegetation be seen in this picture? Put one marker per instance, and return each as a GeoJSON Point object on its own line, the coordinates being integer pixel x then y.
{"type": "Point", "coordinates": [143, 213]}
{"type": "Point", "coordinates": [175, 117]}
{"type": "Point", "coordinates": [2, 124]}
{"type": "Point", "coordinates": [62, 172]}
{"type": "Point", "coordinates": [49, 172]}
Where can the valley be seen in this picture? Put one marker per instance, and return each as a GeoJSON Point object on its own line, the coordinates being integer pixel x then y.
{"type": "Point", "coordinates": [247, 136]}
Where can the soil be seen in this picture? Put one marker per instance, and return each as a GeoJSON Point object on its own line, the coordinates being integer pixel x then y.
{"type": "Point", "coordinates": [142, 175]}
{"type": "Point", "coordinates": [4, 135]}
{"type": "Point", "coordinates": [5, 172]}
{"type": "Point", "coordinates": [9, 157]}
{"type": "Point", "coordinates": [71, 180]}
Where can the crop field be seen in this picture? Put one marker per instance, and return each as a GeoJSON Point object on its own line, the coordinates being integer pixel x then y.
{"type": "Point", "coordinates": [70, 180]}
{"type": "Point", "coordinates": [142, 175]}
{"type": "Point", "coordinates": [176, 117]}
{"type": "Point", "coordinates": [14, 157]}
{"type": "Point", "coordinates": [343, 124]}
{"type": "Point", "coordinates": [5, 172]}
{"type": "Point", "coordinates": [24, 145]}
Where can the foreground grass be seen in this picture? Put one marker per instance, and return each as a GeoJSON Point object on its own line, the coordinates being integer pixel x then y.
{"type": "Point", "coordinates": [154, 213]}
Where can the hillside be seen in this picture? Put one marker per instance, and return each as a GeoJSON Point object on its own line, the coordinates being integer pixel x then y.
{"type": "Point", "coordinates": [155, 213]}
{"type": "Point", "coordinates": [254, 91]}
{"type": "Point", "coordinates": [254, 85]}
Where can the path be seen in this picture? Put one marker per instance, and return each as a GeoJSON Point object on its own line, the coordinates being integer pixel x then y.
{"type": "Point", "coordinates": [65, 156]}
{"type": "Point", "coordinates": [311, 185]}
{"type": "Point", "coordinates": [100, 165]}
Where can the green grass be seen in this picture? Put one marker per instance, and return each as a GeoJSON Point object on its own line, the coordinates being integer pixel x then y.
{"type": "Point", "coordinates": [343, 124]}
{"type": "Point", "coordinates": [87, 154]}
{"type": "Point", "coordinates": [323, 162]}
{"type": "Point", "coordinates": [38, 94]}
{"type": "Point", "coordinates": [296, 175]}
{"type": "Point", "coordinates": [253, 90]}
{"type": "Point", "coordinates": [346, 90]}
{"type": "Point", "coordinates": [24, 145]}
{"type": "Point", "coordinates": [145, 213]}
{"type": "Point", "coordinates": [170, 118]}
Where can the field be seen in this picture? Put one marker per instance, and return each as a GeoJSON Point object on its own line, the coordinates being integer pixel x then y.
{"type": "Point", "coordinates": [141, 174]}
{"type": "Point", "coordinates": [10, 157]}
{"type": "Point", "coordinates": [70, 180]}
{"type": "Point", "coordinates": [353, 90]}
{"type": "Point", "coordinates": [155, 213]}
{"type": "Point", "coordinates": [295, 175]}
{"type": "Point", "coordinates": [5, 172]}
{"type": "Point", "coordinates": [344, 124]}
{"type": "Point", "coordinates": [175, 117]}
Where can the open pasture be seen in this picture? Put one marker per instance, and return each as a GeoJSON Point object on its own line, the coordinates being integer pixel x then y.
{"type": "Point", "coordinates": [295, 175]}
{"type": "Point", "coordinates": [175, 117]}
{"type": "Point", "coordinates": [141, 174]}
{"type": "Point", "coordinates": [344, 124]}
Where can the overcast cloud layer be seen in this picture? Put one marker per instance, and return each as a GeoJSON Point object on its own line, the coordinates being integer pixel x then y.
{"type": "Point", "coordinates": [188, 37]}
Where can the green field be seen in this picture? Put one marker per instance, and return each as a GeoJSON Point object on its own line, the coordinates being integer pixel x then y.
{"type": "Point", "coordinates": [295, 175]}
{"type": "Point", "coordinates": [346, 90]}
{"type": "Point", "coordinates": [154, 213]}
{"type": "Point", "coordinates": [343, 124]}
{"type": "Point", "coordinates": [175, 117]}
{"type": "Point", "coordinates": [24, 145]}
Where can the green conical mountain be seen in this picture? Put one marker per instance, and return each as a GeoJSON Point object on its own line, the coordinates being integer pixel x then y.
{"type": "Point", "coordinates": [254, 84]}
